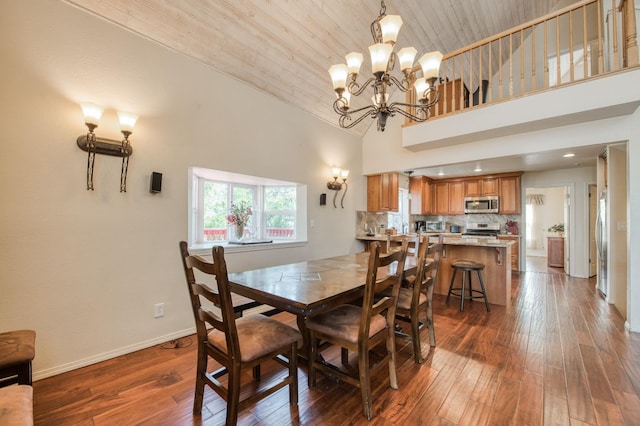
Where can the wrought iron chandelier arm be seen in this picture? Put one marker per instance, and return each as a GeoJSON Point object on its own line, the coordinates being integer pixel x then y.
{"type": "Point", "coordinates": [358, 88]}
{"type": "Point", "coordinates": [420, 118]}
{"type": "Point", "coordinates": [347, 117]}
{"type": "Point", "coordinates": [337, 108]}
{"type": "Point", "coordinates": [402, 85]}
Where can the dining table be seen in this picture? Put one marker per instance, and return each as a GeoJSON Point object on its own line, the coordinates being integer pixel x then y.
{"type": "Point", "coordinates": [310, 287]}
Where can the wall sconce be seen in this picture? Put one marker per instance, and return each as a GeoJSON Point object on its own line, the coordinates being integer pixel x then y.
{"type": "Point", "coordinates": [337, 186]}
{"type": "Point", "coordinates": [94, 145]}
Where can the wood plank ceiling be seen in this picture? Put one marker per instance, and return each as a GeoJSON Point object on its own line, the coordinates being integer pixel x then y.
{"type": "Point", "coordinates": [285, 47]}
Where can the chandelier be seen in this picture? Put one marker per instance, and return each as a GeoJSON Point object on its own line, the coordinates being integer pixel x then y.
{"type": "Point", "coordinates": [384, 30]}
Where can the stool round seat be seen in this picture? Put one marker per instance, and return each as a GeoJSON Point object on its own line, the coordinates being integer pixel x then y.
{"type": "Point", "coordinates": [467, 267]}
{"type": "Point", "coordinates": [17, 350]}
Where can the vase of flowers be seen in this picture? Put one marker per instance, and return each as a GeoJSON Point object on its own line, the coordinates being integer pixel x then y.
{"type": "Point", "coordinates": [239, 216]}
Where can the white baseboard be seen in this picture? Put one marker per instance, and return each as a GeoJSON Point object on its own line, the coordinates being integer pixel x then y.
{"type": "Point", "coordinates": [43, 374]}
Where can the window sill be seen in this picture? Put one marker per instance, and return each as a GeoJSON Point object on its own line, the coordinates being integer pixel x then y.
{"type": "Point", "coordinates": [205, 248]}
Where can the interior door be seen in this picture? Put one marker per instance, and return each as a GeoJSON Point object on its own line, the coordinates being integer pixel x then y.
{"type": "Point", "coordinates": [567, 229]}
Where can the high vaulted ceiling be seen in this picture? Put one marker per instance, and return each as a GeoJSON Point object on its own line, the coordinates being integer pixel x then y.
{"type": "Point", "coordinates": [285, 47]}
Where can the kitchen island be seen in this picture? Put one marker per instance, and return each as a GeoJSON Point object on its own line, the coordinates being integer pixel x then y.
{"type": "Point", "coordinates": [493, 253]}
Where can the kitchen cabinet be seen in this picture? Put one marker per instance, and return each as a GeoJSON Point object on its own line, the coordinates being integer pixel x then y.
{"type": "Point", "coordinates": [480, 187]}
{"type": "Point", "coordinates": [510, 195]}
{"type": "Point", "coordinates": [441, 198]}
{"type": "Point", "coordinates": [515, 250]}
{"type": "Point", "coordinates": [456, 197]}
{"type": "Point", "coordinates": [421, 192]}
{"type": "Point", "coordinates": [382, 192]}
{"type": "Point", "coordinates": [555, 252]}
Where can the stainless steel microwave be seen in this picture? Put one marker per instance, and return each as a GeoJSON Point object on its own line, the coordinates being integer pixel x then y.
{"type": "Point", "coordinates": [481, 204]}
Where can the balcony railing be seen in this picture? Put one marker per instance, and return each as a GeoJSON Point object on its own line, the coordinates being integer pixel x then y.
{"type": "Point", "coordinates": [585, 40]}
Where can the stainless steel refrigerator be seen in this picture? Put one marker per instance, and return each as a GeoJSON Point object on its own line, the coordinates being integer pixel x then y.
{"type": "Point", "coordinates": [602, 232]}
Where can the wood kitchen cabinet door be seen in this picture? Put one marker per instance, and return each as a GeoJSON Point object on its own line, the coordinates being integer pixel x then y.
{"type": "Point", "coordinates": [382, 192]}
{"type": "Point", "coordinates": [441, 198]}
{"type": "Point", "coordinates": [510, 195]}
{"type": "Point", "coordinates": [456, 198]}
{"type": "Point", "coordinates": [480, 187]}
{"type": "Point", "coordinates": [420, 189]}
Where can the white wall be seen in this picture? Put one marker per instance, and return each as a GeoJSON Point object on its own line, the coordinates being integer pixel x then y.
{"type": "Point", "coordinates": [84, 268]}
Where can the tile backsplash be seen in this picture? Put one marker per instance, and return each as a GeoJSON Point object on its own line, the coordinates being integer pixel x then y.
{"type": "Point", "coordinates": [376, 221]}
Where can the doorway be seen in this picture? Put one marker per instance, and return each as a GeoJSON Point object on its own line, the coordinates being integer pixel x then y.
{"type": "Point", "coordinates": [546, 226]}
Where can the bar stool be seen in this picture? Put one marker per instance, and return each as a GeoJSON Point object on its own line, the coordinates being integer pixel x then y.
{"type": "Point", "coordinates": [467, 267]}
{"type": "Point", "coordinates": [17, 350]}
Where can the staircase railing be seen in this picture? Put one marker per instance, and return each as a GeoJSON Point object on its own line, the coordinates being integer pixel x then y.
{"type": "Point", "coordinates": [582, 41]}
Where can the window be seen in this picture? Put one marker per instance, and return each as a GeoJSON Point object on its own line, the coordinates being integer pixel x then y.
{"type": "Point", "coordinates": [278, 208]}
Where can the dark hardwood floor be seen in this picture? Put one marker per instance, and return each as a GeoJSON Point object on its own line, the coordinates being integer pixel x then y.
{"type": "Point", "coordinates": [559, 356]}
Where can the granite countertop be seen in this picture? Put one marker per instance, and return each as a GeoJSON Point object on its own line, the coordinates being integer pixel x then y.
{"type": "Point", "coordinates": [398, 237]}
{"type": "Point", "coordinates": [478, 242]}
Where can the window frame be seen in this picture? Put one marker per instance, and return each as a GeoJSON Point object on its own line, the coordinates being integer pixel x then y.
{"type": "Point", "coordinates": [198, 175]}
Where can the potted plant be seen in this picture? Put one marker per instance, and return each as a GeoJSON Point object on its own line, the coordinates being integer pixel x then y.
{"type": "Point", "coordinates": [557, 228]}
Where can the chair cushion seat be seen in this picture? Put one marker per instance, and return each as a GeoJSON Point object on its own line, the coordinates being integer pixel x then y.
{"type": "Point", "coordinates": [17, 347]}
{"type": "Point", "coordinates": [343, 322]}
{"type": "Point", "coordinates": [404, 298]}
{"type": "Point", "coordinates": [258, 335]}
{"type": "Point", "coordinates": [16, 405]}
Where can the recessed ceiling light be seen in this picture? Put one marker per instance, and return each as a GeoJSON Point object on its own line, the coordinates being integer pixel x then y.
{"type": "Point", "coordinates": [568, 155]}
{"type": "Point", "coordinates": [440, 173]}
{"type": "Point", "coordinates": [478, 169]}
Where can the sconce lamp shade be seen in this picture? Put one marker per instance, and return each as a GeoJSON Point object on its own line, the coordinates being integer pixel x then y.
{"type": "Point", "coordinates": [406, 55]}
{"type": "Point", "coordinates": [430, 63]}
{"type": "Point", "coordinates": [92, 113]}
{"type": "Point", "coordinates": [390, 27]}
{"type": "Point", "coordinates": [354, 61]}
{"type": "Point", "coordinates": [380, 53]}
{"type": "Point", "coordinates": [344, 174]}
{"type": "Point", "coordinates": [127, 121]}
{"type": "Point", "coordinates": [339, 75]}
{"type": "Point", "coordinates": [335, 172]}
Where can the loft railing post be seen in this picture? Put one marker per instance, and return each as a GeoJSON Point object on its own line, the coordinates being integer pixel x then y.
{"type": "Point", "coordinates": [631, 34]}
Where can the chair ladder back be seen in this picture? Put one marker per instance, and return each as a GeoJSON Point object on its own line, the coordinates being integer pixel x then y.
{"type": "Point", "coordinates": [375, 286]}
{"type": "Point", "coordinates": [220, 298]}
{"type": "Point", "coordinates": [422, 269]}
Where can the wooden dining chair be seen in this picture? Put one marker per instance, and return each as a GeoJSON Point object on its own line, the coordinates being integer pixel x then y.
{"type": "Point", "coordinates": [416, 295]}
{"type": "Point", "coordinates": [235, 343]}
{"type": "Point", "coordinates": [362, 328]}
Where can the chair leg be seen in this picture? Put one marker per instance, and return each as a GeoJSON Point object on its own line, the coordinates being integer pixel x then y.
{"type": "Point", "coordinates": [201, 370]}
{"type": "Point", "coordinates": [293, 374]}
{"type": "Point", "coordinates": [24, 374]}
{"type": "Point", "coordinates": [391, 347]}
{"type": "Point", "coordinates": [256, 372]}
{"type": "Point", "coordinates": [432, 332]}
{"type": "Point", "coordinates": [484, 292]}
{"type": "Point", "coordinates": [415, 336]}
{"type": "Point", "coordinates": [470, 287]}
{"type": "Point", "coordinates": [233, 394]}
{"type": "Point", "coordinates": [365, 381]}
